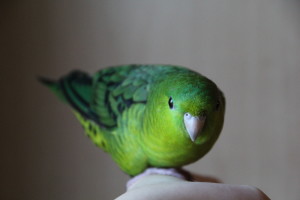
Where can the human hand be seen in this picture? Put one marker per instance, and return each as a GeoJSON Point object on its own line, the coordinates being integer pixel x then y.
{"type": "Point", "coordinates": [154, 187]}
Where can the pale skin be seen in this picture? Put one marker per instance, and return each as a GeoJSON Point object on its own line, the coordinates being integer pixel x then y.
{"type": "Point", "coordinates": [157, 187]}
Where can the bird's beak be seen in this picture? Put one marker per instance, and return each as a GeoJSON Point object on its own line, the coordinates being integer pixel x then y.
{"type": "Point", "coordinates": [194, 125]}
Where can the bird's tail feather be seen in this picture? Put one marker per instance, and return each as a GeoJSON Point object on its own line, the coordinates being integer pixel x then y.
{"type": "Point", "coordinates": [54, 87]}
{"type": "Point", "coordinates": [74, 89]}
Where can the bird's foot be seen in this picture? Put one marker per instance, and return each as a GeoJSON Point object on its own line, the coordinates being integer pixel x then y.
{"type": "Point", "coordinates": [178, 173]}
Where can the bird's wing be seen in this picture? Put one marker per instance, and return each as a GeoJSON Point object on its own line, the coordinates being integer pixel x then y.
{"type": "Point", "coordinates": [104, 96]}
{"type": "Point", "coordinates": [115, 89]}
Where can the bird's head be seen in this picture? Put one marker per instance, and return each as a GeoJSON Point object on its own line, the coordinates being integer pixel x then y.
{"type": "Point", "coordinates": [196, 106]}
{"type": "Point", "coordinates": [187, 111]}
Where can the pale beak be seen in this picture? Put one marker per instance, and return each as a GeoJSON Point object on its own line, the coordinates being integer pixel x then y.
{"type": "Point", "coordinates": [194, 125]}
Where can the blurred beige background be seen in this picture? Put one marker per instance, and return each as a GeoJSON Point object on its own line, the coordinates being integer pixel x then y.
{"type": "Point", "coordinates": [250, 48]}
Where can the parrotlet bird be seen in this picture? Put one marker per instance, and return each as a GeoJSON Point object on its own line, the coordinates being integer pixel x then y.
{"type": "Point", "coordinates": [145, 115]}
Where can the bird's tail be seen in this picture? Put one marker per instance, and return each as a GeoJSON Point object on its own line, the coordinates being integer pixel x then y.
{"type": "Point", "coordinates": [75, 89]}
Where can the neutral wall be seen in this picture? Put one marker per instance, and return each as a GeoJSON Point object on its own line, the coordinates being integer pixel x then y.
{"type": "Point", "coordinates": [250, 48]}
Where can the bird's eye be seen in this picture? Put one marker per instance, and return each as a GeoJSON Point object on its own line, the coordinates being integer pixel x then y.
{"type": "Point", "coordinates": [218, 105]}
{"type": "Point", "coordinates": [171, 103]}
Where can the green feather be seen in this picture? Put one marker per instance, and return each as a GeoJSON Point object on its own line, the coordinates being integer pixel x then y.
{"type": "Point", "coordinates": [54, 87]}
{"type": "Point", "coordinates": [140, 94]}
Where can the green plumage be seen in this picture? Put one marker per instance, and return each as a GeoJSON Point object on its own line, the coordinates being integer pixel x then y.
{"type": "Point", "coordinates": [136, 113]}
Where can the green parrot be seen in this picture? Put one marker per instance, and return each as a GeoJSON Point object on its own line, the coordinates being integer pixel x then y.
{"type": "Point", "coordinates": [145, 116]}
